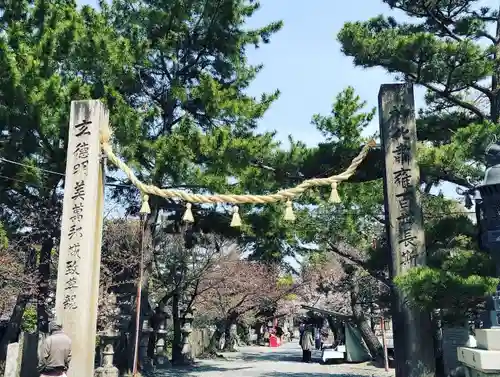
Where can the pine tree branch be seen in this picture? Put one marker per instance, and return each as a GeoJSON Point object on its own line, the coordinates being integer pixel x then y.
{"type": "Point", "coordinates": [489, 36]}
{"type": "Point", "coordinates": [346, 251]}
{"type": "Point", "coordinates": [441, 25]}
{"type": "Point", "coordinates": [450, 97]}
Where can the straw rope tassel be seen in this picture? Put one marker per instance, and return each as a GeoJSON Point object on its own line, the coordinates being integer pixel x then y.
{"type": "Point", "coordinates": [334, 195]}
{"type": "Point", "coordinates": [145, 209]}
{"type": "Point", "coordinates": [236, 220]}
{"type": "Point", "coordinates": [188, 215]}
{"type": "Point", "coordinates": [289, 215]}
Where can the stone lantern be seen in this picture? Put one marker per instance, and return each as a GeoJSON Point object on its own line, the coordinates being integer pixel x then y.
{"type": "Point", "coordinates": [161, 357]}
{"type": "Point", "coordinates": [186, 330]}
{"type": "Point", "coordinates": [488, 218]}
{"type": "Point", "coordinates": [146, 362]}
{"type": "Point", "coordinates": [483, 359]}
{"type": "Point", "coordinates": [108, 340]}
{"type": "Point", "coordinates": [489, 203]}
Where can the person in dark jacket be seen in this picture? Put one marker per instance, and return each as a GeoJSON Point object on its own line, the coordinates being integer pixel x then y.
{"type": "Point", "coordinates": [55, 353]}
{"type": "Point", "coordinates": [307, 343]}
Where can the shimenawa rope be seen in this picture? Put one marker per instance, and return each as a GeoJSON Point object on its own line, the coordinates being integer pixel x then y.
{"type": "Point", "coordinates": [282, 195]}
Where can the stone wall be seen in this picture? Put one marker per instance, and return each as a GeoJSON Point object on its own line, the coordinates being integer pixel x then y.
{"type": "Point", "coordinates": [200, 341]}
{"type": "Point", "coordinates": [453, 337]}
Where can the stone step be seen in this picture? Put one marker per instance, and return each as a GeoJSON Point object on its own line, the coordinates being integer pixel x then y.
{"type": "Point", "coordinates": [483, 360]}
{"type": "Point", "coordinates": [488, 339]}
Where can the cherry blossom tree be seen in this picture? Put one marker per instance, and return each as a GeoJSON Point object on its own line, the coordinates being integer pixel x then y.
{"type": "Point", "coordinates": [239, 288]}
{"type": "Point", "coordinates": [337, 284]}
{"type": "Point", "coordinates": [18, 284]}
{"type": "Point", "coordinates": [119, 266]}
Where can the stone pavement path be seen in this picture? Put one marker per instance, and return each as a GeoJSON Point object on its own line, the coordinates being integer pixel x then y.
{"type": "Point", "coordinates": [273, 362]}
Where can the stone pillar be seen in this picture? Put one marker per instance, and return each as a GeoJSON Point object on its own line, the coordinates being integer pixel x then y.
{"type": "Point", "coordinates": [413, 340]}
{"type": "Point", "coordinates": [108, 341]}
{"type": "Point", "coordinates": [13, 360]}
{"type": "Point", "coordinates": [81, 230]}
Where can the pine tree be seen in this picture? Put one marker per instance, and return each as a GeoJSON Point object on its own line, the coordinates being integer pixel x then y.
{"type": "Point", "coordinates": [449, 50]}
{"type": "Point", "coordinates": [50, 54]}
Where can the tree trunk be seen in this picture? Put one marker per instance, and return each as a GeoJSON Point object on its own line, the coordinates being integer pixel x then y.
{"type": "Point", "coordinates": [177, 341]}
{"type": "Point", "coordinates": [213, 348]}
{"type": "Point", "coordinates": [260, 334]}
{"type": "Point", "coordinates": [132, 328]}
{"type": "Point", "coordinates": [14, 325]}
{"type": "Point", "coordinates": [363, 324]}
{"type": "Point", "coordinates": [369, 337]}
{"type": "Point", "coordinates": [495, 77]}
{"type": "Point", "coordinates": [231, 332]}
{"type": "Point", "coordinates": [43, 285]}
{"type": "Point", "coordinates": [246, 340]}
{"type": "Point", "coordinates": [337, 331]}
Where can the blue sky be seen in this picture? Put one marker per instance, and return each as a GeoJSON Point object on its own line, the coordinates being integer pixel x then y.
{"type": "Point", "coordinates": [304, 61]}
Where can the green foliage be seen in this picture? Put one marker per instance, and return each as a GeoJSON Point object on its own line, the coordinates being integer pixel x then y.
{"type": "Point", "coordinates": [290, 297]}
{"type": "Point", "coordinates": [430, 288]}
{"type": "Point", "coordinates": [29, 321]}
{"type": "Point", "coordinates": [4, 241]}
{"type": "Point", "coordinates": [52, 53]}
{"type": "Point", "coordinates": [346, 122]}
{"type": "Point", "coordinates": [191, 73]}
{"type": "Point", "coordinates": [174, 76]}
{"type": "Point", "coordinates": [352, 220]}
{"type": "Point", "coordinates": [197, 128]}
{"type": "Point", "coordinates": [285, 281]}
{"type": "Point", "coordinates": [447, 48]}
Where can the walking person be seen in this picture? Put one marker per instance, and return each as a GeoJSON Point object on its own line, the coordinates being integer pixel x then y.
{"type": "Point", "coordinates": [55, 353]}
{"type": "Point", "coordinates": [317, 338]}
{"type": "Point", "coordinates": [307, 342]}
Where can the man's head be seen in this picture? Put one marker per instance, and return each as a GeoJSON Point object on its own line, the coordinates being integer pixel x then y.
{"type": "Point", "coordinates": [54, 326]}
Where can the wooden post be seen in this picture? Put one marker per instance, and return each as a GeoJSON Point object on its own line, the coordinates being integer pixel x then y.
{"type": "Point", "coordinates": [413, 342]}
{"type": "Point", "coordinates": [81, 233]}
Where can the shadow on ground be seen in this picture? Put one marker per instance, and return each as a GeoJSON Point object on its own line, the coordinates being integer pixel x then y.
{"type": "Point", "coordinates": [271, 356]}
{"type": "Point", "coordinates": [196, 368]}
{"type": "Point", "coordinates": [325, 373]}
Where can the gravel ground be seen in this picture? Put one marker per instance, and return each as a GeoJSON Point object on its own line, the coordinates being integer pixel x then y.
{"type": "Point", "coordinates": [272, 362]}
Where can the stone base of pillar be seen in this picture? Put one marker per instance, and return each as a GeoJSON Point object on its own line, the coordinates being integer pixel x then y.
{"type": "Point", "coordinates": [485, 359]}
{"type": "Point", "coordinates": [470, 372]}
{"type": "Point", "coordinates": [162, 362]}
{"type": "Point", "coordinates": [107, 372]}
